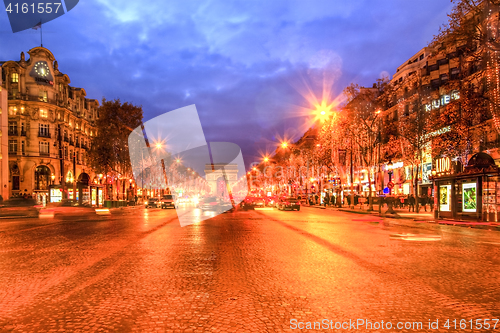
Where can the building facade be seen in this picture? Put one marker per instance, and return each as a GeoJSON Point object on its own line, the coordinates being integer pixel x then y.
{"type": "Point", "coordinates": [4, 141]}
{"type": "Point", "coordinates": [49, 129]}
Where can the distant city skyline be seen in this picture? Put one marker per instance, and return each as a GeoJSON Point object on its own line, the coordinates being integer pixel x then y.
{"type": "Point", "coordinates": [250, 68]}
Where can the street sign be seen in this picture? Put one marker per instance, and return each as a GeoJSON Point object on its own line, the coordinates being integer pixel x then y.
{"type": "Point", "coordinates": [387, 190]}
{"type": "Point", "coordinates": [390, 185]}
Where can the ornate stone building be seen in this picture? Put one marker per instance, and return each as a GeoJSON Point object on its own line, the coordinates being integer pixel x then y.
{"type": "Point", "coordinates": [50, 125]}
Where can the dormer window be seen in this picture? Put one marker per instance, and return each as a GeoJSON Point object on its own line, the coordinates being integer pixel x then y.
{"type": "Point", "coordinates": [14, 77]}
{"type": "Point", "coordinates": [44, 113]}
{"type": "Point", "coordinates": [43, 96]}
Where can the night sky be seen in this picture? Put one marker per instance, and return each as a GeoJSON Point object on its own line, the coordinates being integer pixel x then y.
{"type": "Point", "coordinates": [252, 68]}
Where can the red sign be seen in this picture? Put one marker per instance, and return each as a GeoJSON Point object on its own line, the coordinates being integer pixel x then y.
{"type": "Point", "coordinates": [390, 185]}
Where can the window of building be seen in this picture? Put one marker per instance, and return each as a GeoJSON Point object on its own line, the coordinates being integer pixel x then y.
{"type": "Point", "coordinates": [435, 83]}
{"type": "Point", "coordinates": [23, 148]}
{"type": "Point", "coordinates": [60, 87]}
{"type": "Point", "coordinates": [407, 110]}
{"type": "Point", "coordinates": [42, 176]}
{"type": "Point", "coordinates": [444, 78]}
{"type": "Point", "coordinates": [14, 91]}
{"type": "Point", "coordinates": [65, 153]}
{"type": "Point", "coordinates": [44, 113]}
{"type": "Point", "coordinates": [454, 73]}
{"type": "Point", "coordinates": [421, 57]}
{"type": "Point", "coordinates": [43, 130]}
{"type": "Point", "coordinates": [13, 146]}
{"type": "Point", "coordinates": [23, 129]}
{"type": "Point", "coordinates": [14, 77]}
{"type": "Point", "coordinates": [12, 110]}
{"type": "Point", "coordinates": [12, 127]}
{"type": "Point", "coordinates": [434, 67]}
{"type": "Point", "coordinates": [43, 96]}
{"type": "Point", "coordinates": [442, 61]}
{"type": "Point", "coordinates": [43, 148]}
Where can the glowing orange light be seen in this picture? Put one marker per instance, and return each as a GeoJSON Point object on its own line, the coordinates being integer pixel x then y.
{"type": "Point", "coordinates": [284, 145]}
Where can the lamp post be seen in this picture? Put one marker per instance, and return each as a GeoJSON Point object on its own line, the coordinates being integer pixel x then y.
{"type": "Point", "coordinates": [389, 201]}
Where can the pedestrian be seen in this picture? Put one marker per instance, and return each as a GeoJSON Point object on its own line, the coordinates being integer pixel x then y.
{"type": "Point", "coordinates": [431, 203]}
{"type": "Point", "coordinates": [326, 200]}
{"type": "Point", "coordinates": [316, 198]}
{"type": "Point", "coordinates": [348, 200]}
{"type": "Point", "coordinates": [423, 202]}
{"type": "Point", "coordinates": [356, 199]}
{"type": "Point", "coordinates": [411, 203]}
{"type": "Point", "coordinates": [135, 199]}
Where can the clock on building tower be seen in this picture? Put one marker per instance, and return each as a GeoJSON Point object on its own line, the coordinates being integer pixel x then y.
{"type": "Point", "coordinates": [41, 73]}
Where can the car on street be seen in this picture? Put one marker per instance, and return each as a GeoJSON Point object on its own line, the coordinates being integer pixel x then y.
{"type": "Point", "coordinates": [152, 203]}
{"type": "Point", "coordinates": [259, 203]}
{"type": "Point", "coordinates": [289, 203]}
{"type": "Point", "coordinates": [215, 204]}
{"type": "Point", "coordinates": [67, 208]}
{"type": "Point", "coordinates": [167, 201]}
{"type": "Point", "coordinates": [19, 207]}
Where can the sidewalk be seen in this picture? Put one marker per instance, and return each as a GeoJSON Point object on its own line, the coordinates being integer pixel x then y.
{"type": "Point", "coordinates": [422, 216]}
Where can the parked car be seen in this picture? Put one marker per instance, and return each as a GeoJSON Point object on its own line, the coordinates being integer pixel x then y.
{"type": "Point", "coordinates": [289, 203]}
{"type": "Point", "coordinates": [167, 201]}
{"type": "Point", "coordinates": [19, 207]}
{"type": "Point", "coordinates": [152, 203]}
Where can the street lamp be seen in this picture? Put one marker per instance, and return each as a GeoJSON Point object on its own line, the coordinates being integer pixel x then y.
{"type": "Point", "coordinates": [53, 177]}
{"type": "Point", "coordinates": [389, 201]}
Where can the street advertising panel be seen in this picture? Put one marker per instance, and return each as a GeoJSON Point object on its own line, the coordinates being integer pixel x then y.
{"type": "Point", "coordinates": [444, 198]}
{"type": "Point", "coordinates": [93, 196]}
{"type": "Point", "coordinates": [469, 198]}
{"type": "Point", "coordinates": [55, 195]}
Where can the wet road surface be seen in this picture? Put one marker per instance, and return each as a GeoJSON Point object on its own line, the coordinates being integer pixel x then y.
{"type": "Point", "coordinates": [253, 271]}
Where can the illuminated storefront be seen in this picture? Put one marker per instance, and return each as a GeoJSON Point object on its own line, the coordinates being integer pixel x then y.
{"type": "Point", "coordinates": [473, 193]}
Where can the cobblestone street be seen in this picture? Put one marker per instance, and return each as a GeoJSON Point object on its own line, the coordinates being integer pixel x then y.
{"type": "Point", "coordinates": [248, 271]}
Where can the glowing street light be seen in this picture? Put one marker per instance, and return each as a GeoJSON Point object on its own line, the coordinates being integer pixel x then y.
{"type": "Point", "coordinates": [284, 145]}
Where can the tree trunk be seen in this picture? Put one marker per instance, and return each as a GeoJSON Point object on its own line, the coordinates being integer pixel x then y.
{"type": "Point", "coordinates": [370, 200]}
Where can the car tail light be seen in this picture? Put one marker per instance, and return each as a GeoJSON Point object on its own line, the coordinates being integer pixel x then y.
{"type": "Point", "coordinates": [213, 203]}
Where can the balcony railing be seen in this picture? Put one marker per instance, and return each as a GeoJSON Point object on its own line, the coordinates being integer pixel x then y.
{"type": "Point", "coordinates": [13, 132]}
{"type": "Point", "coordinates": [77, 145]}
{"type": "Point", "coordinates": [71, 143]}
{"type": "Point", "coordinates": [44, 153]}
{"type": "Point", "coordinates": [43, 135]}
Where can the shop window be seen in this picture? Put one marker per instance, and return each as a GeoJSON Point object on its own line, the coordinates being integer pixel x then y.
{"type": "Point", "coordinates": [42, 176]}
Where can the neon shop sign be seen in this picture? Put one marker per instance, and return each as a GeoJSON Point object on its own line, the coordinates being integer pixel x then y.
{"type": "Point", "coordinates": [442, 101]}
